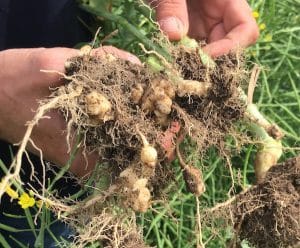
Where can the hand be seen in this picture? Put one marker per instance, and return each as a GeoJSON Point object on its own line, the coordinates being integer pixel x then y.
{"type": "Point", "coordinates": [224, 24]}
{"type": "Point", "coordinates": [23, 84]}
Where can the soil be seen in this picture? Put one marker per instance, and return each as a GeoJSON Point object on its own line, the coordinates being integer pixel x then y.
{"type": "Point", "coordinates": [268, 215]}
{"type": "Point", "coordinates": [217, 112]}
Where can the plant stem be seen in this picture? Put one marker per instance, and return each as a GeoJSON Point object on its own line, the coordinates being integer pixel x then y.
{"type": "Point", "coordinates": [126, 25]}
{"type": "Point", "coordinates": [39, 242]}
{"type": "Point", "coordinates": [64, 169]}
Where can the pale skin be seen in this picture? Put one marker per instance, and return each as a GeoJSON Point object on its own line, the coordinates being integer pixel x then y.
{"type": "Point", "coordinates": [225, 24]}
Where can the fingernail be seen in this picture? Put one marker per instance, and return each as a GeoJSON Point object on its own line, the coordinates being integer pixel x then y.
{"type": "Point", "coordinates": [171, 25]}
{"type": "Point", "coordinates": [133, 59]}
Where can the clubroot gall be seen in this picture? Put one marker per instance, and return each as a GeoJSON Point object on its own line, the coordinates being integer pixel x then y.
{"type": "Point", "coordinates": [123, 111]}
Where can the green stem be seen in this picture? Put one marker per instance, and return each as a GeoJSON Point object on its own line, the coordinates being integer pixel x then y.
{"type": "Point", "coordinates": [193, 44]}
{"type": "Point", "coordinates": [14, 182]}
{"type": "Point", "coordinates": [64, 169]}
{"type": "Point", "coordinates": [87, 184]}
{"type": "Point", "coordinates": [57, 242]}
{"type": "Point", "coordinates": [39, 242]}
{"type": "Point", "coordinates": [3, 242]}
{"type": "Point", "coordinates": [30, 221]}
{"type": "Point", "coordinates": [21, 245]}
{"type": "Point", "coordinates": [127, 26]}
{"type": "Point", "coordinates": [146, 12]}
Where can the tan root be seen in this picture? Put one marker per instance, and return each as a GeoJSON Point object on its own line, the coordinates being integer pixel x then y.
{"type": "Point", "coordinates": [158, 99]}
{"type": "Point", "coordinates": [137, 93]}
{"type": "Point", "coordinates": [134, 190]}
{"type": "Point", "coordinates": [111, 228]}
{"type": "Point", "coordinates": [99, 107]}
{"type": "Point", "coordinates": [267, 156]}
{"type": "Point", "coordinates": [192, 176]}
{"type": "Point", "coordinates": [192, 88]}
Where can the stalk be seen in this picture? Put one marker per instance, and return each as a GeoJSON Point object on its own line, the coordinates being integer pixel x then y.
{"type": "Point", "coordinates": [269, 137]}
{"type": "Point", "coordinates": [194, 45]}
{"type": "Point", "coordinates": [127, 26]}
{"type": "Point", "coordinates": [268, 154]}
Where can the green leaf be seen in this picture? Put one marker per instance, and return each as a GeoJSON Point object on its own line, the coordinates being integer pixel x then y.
{"type": "Point", "coordinates": [3, 242]}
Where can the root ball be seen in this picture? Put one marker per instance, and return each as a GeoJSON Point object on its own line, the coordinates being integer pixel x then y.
{"type": "Point", "coordinates": [268, 215]}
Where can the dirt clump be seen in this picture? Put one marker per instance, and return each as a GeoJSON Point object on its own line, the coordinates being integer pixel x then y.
{"type": "Point", "coordinates": [108, 83]}
{"type": "Point", "coordinates": [212, 115]}
{"type": "Point", "coordinates": [268, 215]}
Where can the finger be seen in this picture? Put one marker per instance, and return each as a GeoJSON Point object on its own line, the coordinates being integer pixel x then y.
{"type": "Point", "coordinates": [54, 59]}
{"type": "Point", "coordinates": [51, 60]}
{"type": "Point", "coordinates": [238, 29]}
{"type": "Point", "coordinates": [218, 48]}
{"type": "Point", "coordinates": [240, 37]}
{"type": "Point", "coordinates": [54, 145]}
{"type": "Point", "coordinates": [31, 61]}
{"type": "Point", "coordinates": [102, 51]}
{"type": "Point", "coordinates": [218, 32]}
{"type": "Point", "coordinates": [239, 23]}
{"type": "Point", "coordinates": [172, 17]}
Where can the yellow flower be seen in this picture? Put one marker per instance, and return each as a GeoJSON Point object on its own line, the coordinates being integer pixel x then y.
{"type": "Point", "coordinates": [268, 38]}
{"type": "Point", "coordinates": [11, 192]}
{"type": "Point", "coordinates": [262, 26]}
{"type": "Point", "coordinates": [25, 201]}
{"type": "Point", "coordinates": [255, 14]}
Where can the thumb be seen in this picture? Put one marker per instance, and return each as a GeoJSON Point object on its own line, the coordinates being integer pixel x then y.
{"type": "Point", "coordinates": [172, 17]}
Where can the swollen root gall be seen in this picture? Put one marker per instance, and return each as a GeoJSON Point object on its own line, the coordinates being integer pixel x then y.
{"type": "Point", "coordinates": [149, 155]}
{"type": "Point", "coordinates": [193, 180]}
{"type": "Point", "coordinates": [98, 106]}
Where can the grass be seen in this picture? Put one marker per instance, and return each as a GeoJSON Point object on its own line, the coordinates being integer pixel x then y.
{"type": "Point", "coordinates": [171, 224]}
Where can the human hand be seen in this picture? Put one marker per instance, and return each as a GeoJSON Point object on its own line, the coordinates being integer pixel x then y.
{"type": "Point", "coordinates": [224, 24]}
{"type": "Point", "coordinates": [23, 84]}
